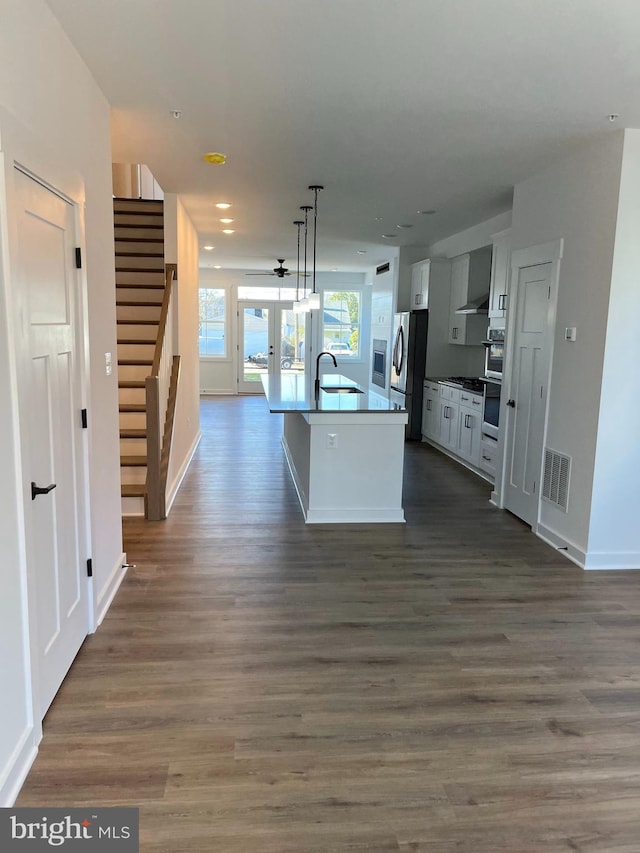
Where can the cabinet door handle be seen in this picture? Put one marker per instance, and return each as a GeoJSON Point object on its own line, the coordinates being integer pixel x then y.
{"type": "Point", "coordinates": [429, 406]}
{"type": "Point", "coordinates": [486, 458]}
{"type": "Point", "coordinates": [477, 402]}
{"type": "Point", "coordinates": [502, 302]}
{"type": "Point", "coordinates": [454, 333]}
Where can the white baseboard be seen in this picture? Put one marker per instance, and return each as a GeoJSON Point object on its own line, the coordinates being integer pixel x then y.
{"type": "Point", "coordinates": [177, 482]}
{"type": "Point", "coordinates": [603, 561]}
{"type": "Point", "coordinates": [18, 766]}
{"type": "Point", "coordinates": [355, 516]}
{"type": "Point", "coordinates": [217, 392]}
{"type": "Point", "coordinates": [110, 589]}
{"type": "Point", "coordinates": [484, 475]}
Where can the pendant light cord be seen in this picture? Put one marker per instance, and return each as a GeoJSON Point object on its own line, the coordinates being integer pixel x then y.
{"type": "Point", "coordinates": [315, 188]}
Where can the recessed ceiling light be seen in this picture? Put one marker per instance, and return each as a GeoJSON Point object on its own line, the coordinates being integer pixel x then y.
{"type": "Point", "coordinates": [215, 158]}
{"type": "Point", "coordinates": [209, 248]}
{"type": "Point", "coordinates": [427, 212]}
{"type": "Point", "coordinates": [334, 269]}
{"type": "Point", "coordinates": [404, 226]}
{"type": "Point", "coordinates": [223, 205]}
{"type": "Point", "coordinates": [228, 231]}
{"type": "Point", "coordinates": [217, 267]}
{"type": "Point", "coordinates": [227, 221]}
{"type": "Point", "coordinates": [362, 251]}
{"type": "Point", "coordinates": [389, 236]}
{"type": "Point", "coordinates": [378, 219]}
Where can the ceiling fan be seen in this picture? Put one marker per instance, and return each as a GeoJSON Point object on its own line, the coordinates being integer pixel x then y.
{"type": "Point", "coordinates": [279, 272]}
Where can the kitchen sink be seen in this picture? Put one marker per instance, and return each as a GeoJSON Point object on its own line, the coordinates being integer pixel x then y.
{"type": "Point", "coordinates": [341, 389]}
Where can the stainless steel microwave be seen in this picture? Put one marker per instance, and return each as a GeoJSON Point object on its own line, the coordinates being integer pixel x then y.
{"type": "Point", "coordinates": [494, 354]}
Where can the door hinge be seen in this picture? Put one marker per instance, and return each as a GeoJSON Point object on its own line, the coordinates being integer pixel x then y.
{"type": "Point", "coordinates": [83, 418]}
{"type": "Point", "coordinates": [89, 568]}
{"type": "Point", "coordinates": [78, 258]}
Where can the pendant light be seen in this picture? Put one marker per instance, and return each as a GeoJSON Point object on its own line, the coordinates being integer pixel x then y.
{"type": "Point", "coordinates": [305, 301]}
{"type": "Point", "coordinates": [314, 298]}
{"type": "Point", "coordinates": [297, 305]}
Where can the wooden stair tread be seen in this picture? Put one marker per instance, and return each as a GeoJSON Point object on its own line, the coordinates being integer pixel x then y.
{"type": "Point", "coordinates": [133, 433]}
{"type": "Point", "coordinates": [132, 407]}
{"type": "Point", "coordinates": [134, 285]}
{"type": "Point", "coordinates": [133, 461]}
{"type": "Point", "coordinates": [140, 269]}
{"type": "Point", "coordinates": [138, 239]}
{"type": "Point", "coordinates": [133, 490]}
{"type": "Point", "coordinates": [132, 383]}
{"type": "Point", "coordinates": [137, 341]}
{"type": "Point", "coordinates": [136, 362]}
{"type": "Point", "coordinates": [138, 322]}
{"type": "Point", "coordinates": [139, 254]}
{"type": "Point", "coordinates": [132, 303]}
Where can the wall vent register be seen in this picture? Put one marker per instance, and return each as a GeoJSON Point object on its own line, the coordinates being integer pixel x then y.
{"type": "Point", "coordinates": [555, 483]}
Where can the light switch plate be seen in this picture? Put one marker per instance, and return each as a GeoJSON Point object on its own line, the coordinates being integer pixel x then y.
{"type": "Point", "coordinates": [570, 333]}
{"type": "Point", "coordinates": [107, 363]}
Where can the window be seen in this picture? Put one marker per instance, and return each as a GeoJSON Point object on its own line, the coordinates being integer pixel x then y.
{"type": "Point", "coordinates": [212, 331]}
{"type": "Point", "coordinates": [341, 320]}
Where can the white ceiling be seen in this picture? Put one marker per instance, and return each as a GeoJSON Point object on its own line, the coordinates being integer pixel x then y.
{"type": "Point", "coordinates": [394, 105]}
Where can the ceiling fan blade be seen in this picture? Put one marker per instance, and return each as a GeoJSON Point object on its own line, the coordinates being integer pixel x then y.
{"type": "Point", "coordinates": [259, 273]}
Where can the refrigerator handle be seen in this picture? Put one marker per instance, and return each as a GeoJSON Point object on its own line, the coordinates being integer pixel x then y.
{"type": "Point", "coordinates": [401, 348]}
{"type": "Point", "coordinates": [394, 357]}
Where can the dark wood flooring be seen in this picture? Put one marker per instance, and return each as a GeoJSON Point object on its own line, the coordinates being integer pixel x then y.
{"type": "Point", "coordinates": [452, 684]}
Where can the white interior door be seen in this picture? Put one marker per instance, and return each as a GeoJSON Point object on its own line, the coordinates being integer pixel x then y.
{"type": "Point", "coordinates": [51, 433]}
{"type": "Point", "coordinates": [271, 341]}
{"type": "Point", "coordinates": [527, 399]}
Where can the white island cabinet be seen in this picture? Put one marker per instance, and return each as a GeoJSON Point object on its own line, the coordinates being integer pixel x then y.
{"type": "Point", "coordinates": [345, 451]}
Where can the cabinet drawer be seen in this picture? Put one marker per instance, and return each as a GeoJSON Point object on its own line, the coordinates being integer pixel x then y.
{"type": "Point", "coordinates": [472, 401]}
{"type": "Point", "coordinates": [488, 455]}
{"type": "Point", "coordinates": [448, 392]}
{"type": "Point", "coordinates": [433, 387]}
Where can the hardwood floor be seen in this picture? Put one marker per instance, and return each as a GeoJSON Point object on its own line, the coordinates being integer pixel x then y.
{"type": "Point", "coordinates": [451, 684]}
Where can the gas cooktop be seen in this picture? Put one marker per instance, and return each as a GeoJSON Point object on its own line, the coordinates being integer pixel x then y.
{"type": "Point", "coordinates": [469, 383]}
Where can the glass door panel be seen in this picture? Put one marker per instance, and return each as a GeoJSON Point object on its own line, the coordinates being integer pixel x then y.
{"type": "Point", "coordinates": [271, 338]}
{"type": "Point", "coordinates": [256, 345]}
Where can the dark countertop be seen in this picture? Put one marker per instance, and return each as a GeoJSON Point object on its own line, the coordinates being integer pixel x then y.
{"type": "Point", "coordinates": [289, 393]}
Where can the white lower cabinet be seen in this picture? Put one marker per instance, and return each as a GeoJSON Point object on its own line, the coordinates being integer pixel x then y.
{"type": "Point", "coordinates": [452, 418]}
{"type": "Point", "coordinates": [469, 434]}
{"type": "Point", "coordinates": [488, 455]}
{"type": "Point", "coordinates": [431, 411]}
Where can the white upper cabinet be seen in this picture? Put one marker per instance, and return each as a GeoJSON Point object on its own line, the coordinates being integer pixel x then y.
{"type": "Point", "coordinates": [424, 275]}
{"type": "Point", "coordinates": [500, 274]}
{"type": "Point", "coordinates": [470, 281]}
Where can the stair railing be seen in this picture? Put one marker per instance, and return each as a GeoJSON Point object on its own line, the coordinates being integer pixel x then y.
{"type": "Point", "coordinates": [161, 390]}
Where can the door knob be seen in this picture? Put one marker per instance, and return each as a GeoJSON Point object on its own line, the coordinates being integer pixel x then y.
{"type": "Point", "coordinates": [40, 490]}
{"type": "Point", "coordinates": [511, 403]}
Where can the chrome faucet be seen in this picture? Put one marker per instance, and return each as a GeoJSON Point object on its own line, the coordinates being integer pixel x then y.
{"type": "Point", "coordinates": [316, 384]}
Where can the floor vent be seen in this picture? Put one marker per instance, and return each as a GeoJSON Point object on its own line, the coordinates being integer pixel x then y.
{"type": "Point", "coordinates": [555, 486]}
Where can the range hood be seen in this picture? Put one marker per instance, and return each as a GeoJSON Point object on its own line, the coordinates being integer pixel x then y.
{"type": "Point", "coordinates": [475, 306]}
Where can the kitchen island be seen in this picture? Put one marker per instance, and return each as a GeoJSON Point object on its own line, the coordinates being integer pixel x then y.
{"type": "Point", "coordinates": [344, 446]}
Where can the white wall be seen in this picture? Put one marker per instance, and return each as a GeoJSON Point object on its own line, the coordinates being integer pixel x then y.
{"type": "Point", "coordinates": [54, 107]}
{"type": "Point", "coordinates": [577, 199]}
{"type": "Point", "coordinates": [182, 249]}
{"type": "Point", "coordinates": [614, 533]}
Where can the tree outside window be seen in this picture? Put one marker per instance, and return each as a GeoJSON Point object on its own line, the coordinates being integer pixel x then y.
{"type": "Point", "coordinates": [341, 321]}
{"type": "Point", "coordinates": [212, 332]}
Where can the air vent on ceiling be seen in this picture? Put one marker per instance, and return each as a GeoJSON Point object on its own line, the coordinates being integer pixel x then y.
{"type": "Point", "coordinates": [555, 484]}
{"type": "Point", "coordinates": [383, 268]}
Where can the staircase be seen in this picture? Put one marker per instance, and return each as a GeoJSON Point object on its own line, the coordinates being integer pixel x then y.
{"type": "Point", "coordinates": [140, 285]}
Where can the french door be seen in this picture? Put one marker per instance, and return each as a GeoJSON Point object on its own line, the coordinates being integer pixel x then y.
{"type": "Point", "coordinates": [271, 341]}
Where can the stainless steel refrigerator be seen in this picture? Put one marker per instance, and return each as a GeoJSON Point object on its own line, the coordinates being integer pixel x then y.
{"type": "Point", "coordinates": [408, 364]}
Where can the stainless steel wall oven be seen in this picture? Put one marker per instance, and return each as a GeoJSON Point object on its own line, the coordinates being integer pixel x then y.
{"type": "Point", "coordinates": [494, 355]}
